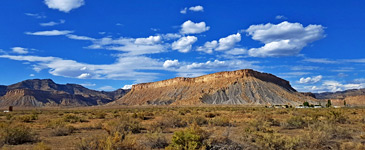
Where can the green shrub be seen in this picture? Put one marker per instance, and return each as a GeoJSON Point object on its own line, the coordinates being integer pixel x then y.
{"type": "Point", "coordinates": [211, 115]}
{"type": "Point", "coordinates": [28, 118]}
{"type": "Point", "coordinates": [220, 121]}
{"type": "Point", "coordinates": [9, 116]}
{"type": "Point", "coordinates": [72, 118]}
{"type": "Point", "coordinates": [143, 115]}
{"type": "Point", "coordinates": [170, 121]}
{"type": "Point", "coordinates": [115, 141]}
{"type": "Point", "coordinates": [275, 141]}
{"type": "Point", "coordinates": [16, 134]}
{"type": "Point", "coordinates": [123, 125]}
{"type": "Point", "coordinates": [63, 130]}
{"type": "Point", "coordinates": [294, 122]}
{"type": "Point", "coordinates": [336, 116]}
{"type": "Point", "coordinates": [100, 115]}
{"type": "Point", "coordinates": [154, 140]}
{"type": "Point", "coordinates": [191, 138]}
{"type": "Point", "coordinates": [314, 140]}
{"type": "Point", "coordinates": [199, 120]}
{"type": "Point", "coordinates": [41, 146]}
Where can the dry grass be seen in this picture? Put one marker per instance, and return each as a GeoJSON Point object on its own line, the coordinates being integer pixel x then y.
{"type": "Point", "coordinates": [221, 127]}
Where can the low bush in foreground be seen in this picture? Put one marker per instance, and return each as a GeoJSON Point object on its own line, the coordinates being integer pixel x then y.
{"type": "Point", "coordinates": [191, 138]}
{"type": "Point", "coordinates": [123, 125]}
{"type": "Point", "coordinates": [115, 141]}
{"type": "Point", "coordinates": [16, 134]}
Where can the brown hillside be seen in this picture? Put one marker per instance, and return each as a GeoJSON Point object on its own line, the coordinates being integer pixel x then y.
{"type": "Point", "coordinates": [39, 93]}
{"type": "Point", "coordinates": [231, 87]}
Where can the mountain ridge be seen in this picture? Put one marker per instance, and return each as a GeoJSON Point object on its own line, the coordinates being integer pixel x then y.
{"type": "Point", "coordinates": [45, 92]}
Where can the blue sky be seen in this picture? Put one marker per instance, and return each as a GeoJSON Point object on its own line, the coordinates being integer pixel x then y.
{"type": "Point", "coordinates": [105, 45]}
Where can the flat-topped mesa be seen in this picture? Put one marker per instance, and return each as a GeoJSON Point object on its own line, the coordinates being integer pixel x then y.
{"type": "Point", "coordinates": [239, 74]}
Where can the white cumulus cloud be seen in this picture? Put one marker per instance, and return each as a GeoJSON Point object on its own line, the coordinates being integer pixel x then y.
{"type": "Point", "coordinates": [20, 50]}
{"type": "Point", "coordinates": [196, 8]}
{"type": "Point", "coordinates": [149, 40]}
{"type": "Point", "coordinates": [284, 39]}
{"type": "Point", "coordinates": [84, 75]}
{"type": "Point", "coordinates": [125, 68]}
{"type": "Point", "coordinates": [334, 86]}
{"type": "Point", "coordinates": [127, 86]}
{"type": "Point", "coordinates": [64, 5]}
{"type": "Point", "coordinates": [208, 47]}
{"type": "Point", "coordinates": [310, 80]}
{"type": "Point", "coordinates": [226, 43]}
{"type": "Point", "coordinates": [132, 46]}
{"type": "Point", "coordinates": [189, 27]}
{"type": "Point", "coordinates": [171, 64]}
{"type": "Point", "coordinates": [184, 44]}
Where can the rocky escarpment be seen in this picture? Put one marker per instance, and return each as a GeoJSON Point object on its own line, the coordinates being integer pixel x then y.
{"type": "Point", "coordinates": [231, 87]}
{"type": "Point", "coordinates": [39, 93]}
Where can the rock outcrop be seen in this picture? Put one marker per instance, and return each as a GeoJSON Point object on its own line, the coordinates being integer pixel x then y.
{"type": "Point", "coordinates": [231, 87]}
{"type": "Point", "coordinates": [39, 93]}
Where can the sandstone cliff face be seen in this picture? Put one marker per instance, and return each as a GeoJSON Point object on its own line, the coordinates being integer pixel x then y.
{"type": "Point", "coordinates": [39, 93]}
{"type": "Point", "coordinates": [235, 87]}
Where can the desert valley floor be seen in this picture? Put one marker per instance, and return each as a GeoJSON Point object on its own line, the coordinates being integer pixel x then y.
{"type": "Point", "coordinates": [162, 127]}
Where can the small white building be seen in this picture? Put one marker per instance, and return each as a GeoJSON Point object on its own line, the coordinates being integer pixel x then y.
{"type": "Point", "coordinates": [300, 106]}
{"type": "Point", "coordinates": [318, 106]}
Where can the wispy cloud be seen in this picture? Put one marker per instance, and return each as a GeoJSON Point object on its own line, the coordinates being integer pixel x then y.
{"type": "Point", "coordinates": [184, 11]}
{"type": "Point", "coordinates": [320, 60]}
{"type": "Point", "coordinates": [355, 60]}
{"type": "Point", "coordinates": [107, 88]}
{"type": "Point", "coordinates": [132, 46]}
{"type": "Point", "coordinates": [280, 17]}
{"type": "Point", "coordinates": [37, 16]}
{"type": "Point", "coordinates": [50, 33]}
{"type": "Point", "coordinates": [126, 68]}
{"type": "Point", "coordinates": [52, 23]}
{"type": "Point", "coordinates": [88, 84]}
